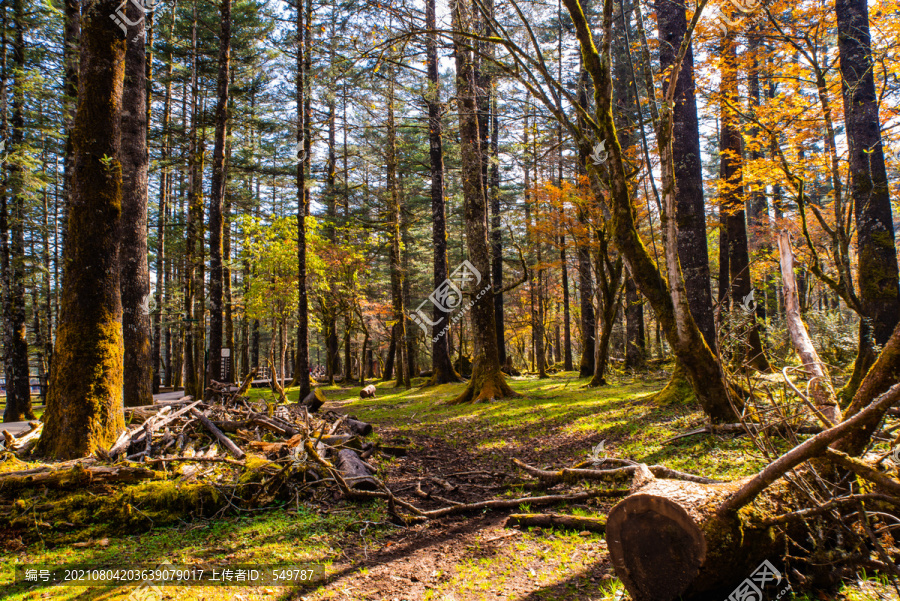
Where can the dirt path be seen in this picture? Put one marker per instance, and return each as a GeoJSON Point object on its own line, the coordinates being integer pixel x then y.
{"type": "Point", "coordinates": [470, 557]}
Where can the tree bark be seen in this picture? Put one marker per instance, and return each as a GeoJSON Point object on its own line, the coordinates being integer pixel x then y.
{"type": "Point", "coordinates": [84, 407]}
{"type": "Point", "coordinates": [635, 346]}
{"type": "Point", "coordinates": [731, 174]}
{"type": "Point", "coordinates": [301, 369]}
{"type": "Point", "coordinates": [496, 227]}
{"type": "Point", "coordinates": [217, 198]}
{"type": "Point", "coordinates": [442, 366]}
{"type": "Point", "coordinates": [690, 212]}
{"type": "Point", "coordinates": [487, 382]}
{"type": "Point", "coordinates": [135, 275]}
{"type": "Point", "coordinates": [878, 272]}
{"type": "Point", "coordinates": [18, 387]}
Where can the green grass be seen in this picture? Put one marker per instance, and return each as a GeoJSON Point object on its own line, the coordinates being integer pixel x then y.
{"type": "Point", "coordinates": [557, 422]}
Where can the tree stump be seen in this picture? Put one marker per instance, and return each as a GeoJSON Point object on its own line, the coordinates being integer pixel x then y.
{"type": "Point", "coordinates": [667, 542]}
{"type": "Point", "coordinates": [314, 400]}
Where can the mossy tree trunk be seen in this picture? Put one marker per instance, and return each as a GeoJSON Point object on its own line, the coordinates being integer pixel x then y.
{"type": "Point", "coordinates": [214, 369]}
{"type": "Point", "coordinates": [84, 406]}
{"type": "Point", "coordinates": [582, 248]}
{"type": "Point", "coordinates": [609, 288]}
{"type": "Point", "coordinates": [635, 341]}
{"type": "Point", "coordinates": [667, 297]}
{"type": "Point", "coordinates": [135, 274]}
{"type": "Point", "coordinates": [487, 382]}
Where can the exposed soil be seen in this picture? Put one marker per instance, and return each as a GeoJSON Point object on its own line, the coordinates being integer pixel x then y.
{"type": "Point", "coordinates": [432, 560]}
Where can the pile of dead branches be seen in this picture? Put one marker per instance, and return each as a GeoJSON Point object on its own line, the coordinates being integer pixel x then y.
{"type": "Point", "coordinates": [249, 454]}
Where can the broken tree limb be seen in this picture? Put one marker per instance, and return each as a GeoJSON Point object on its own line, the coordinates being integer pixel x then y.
{"type": "Point", "coordinates": [513, 503]}
{"type": "Point", "coordinates": [245, 385]}
{"type": "Point", "coordinates": [721, 429]}
{"type": "Point", "coordinates": [235, 450]}
{"type": "Point", "coordinates": [618, 474]}
{"type": "Point", "coordinates": [806, 450]}
{"type": "Point", "coordinates": [557, 520]}
{"type": "Point", "coordinates": [824, 401]}
{"type": "Point", "coordinates": [863, 470]}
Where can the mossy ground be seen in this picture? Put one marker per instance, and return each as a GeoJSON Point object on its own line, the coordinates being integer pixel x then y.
{"type": "Point", "coordinates": [556, 422]}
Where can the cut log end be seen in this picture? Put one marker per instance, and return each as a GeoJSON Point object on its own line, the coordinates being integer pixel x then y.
{"type": "Point", "coordinates": [367, 392]}
{"type": "Point", "coordinates": [667, 541]}
{"type": "Point", "coordinates": [656, 547]}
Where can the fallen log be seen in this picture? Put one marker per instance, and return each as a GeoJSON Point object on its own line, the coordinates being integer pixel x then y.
{"type": "Point", "coordinates": [358, 427]}
{"type": "Point", "coordinates": [618, 474]}
{"type": "Point", "coordinates": [368, 392]}
{"type": "Point", "coordinates": [182, 401]}
{"type": "Point", "coordinates": [738, 429]}
{"type": "Point", "coordinates": [235, 450]}
{"type": "Point", "coordinates": [673, 539]}
{"type": "Point", "coordinates": [667, 541]}
{"type": "Point", "coordinates": [76, 477]}
{"type": "Point", "coordinates": [557, 520]}
{"type": "Point", "coordinates": [513, 503]}
{"type": "Point", "coordinates": [355, 472]}
{"type": "Point", "coordinates": [314, 400]}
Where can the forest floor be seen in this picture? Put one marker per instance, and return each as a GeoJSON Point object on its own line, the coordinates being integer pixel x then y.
{"type": "Point", "coordinates": [556, 422]}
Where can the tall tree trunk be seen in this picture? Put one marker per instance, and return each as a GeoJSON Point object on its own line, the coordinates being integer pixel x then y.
{"type": "Point", "coordinates": [162, 271]}
{"type": "Point", "coordinates": [135, 275]}
{"type": "Point", "coordinates": [84, 407]}
{"type": "Point", "coordinates": [18, 387]}
{"type": "Point", "coordinates": [217, 197]}
{"type": "Point", "coordinates": [397, 275]}
{"type": "Point", "coordinates": [487, 382]}
{"type": "Point", "coordinates": [878, 273]}
{"type": "Point", "coordinates": [194, 227]}
{"type": "Point", "coordinates": [567, 321]}
{"type": "Point", "coordinates": [71, 41]}
{"type": "Point", "coordinates": [496, 231]}
{"type": "Point", "coordinates": [442, 366]}
{"type": "Point", "coordinates": [389, 360]}
{"type": "Point", "coordinates": [667, 298]}
{"type": "Point", "coordinates": [301, 368]}
{"type": "Point", "coordinates": [731, 160]}
{"type": "Point", "coordinates": [582, 247]}
{"type": "Point", "coordinates": [690, 211]}
{"type": "Point", "coordinates": [635, 346]}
